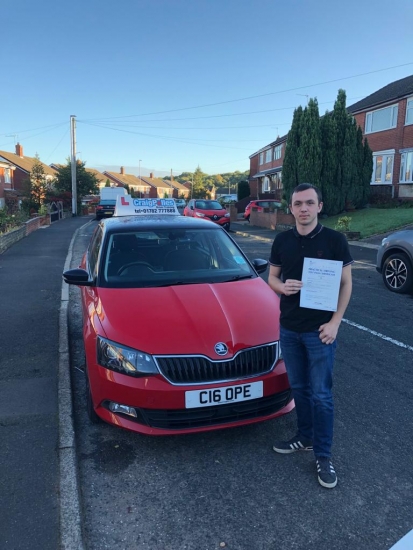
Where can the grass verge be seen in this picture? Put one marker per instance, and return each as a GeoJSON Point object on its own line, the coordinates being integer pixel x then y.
{"type": "Point", "coordinates": [373, 221]}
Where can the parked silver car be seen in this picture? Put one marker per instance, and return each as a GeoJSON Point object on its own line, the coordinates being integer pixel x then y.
{"type": "Point", "coordinates": [395, 261]}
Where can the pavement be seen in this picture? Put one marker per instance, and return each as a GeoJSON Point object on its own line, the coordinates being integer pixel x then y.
{"type": "Point", "coordinates": [245, 229]}
{"type": "Point", "coordinates": [38, 455]}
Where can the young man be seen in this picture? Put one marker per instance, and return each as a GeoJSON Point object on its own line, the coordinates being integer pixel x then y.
{"type": "Point", "coordinates": [308, 336]}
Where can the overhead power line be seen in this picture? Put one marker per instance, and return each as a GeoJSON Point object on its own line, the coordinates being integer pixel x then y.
{"type": "Point", "coordinates": [260, 95]}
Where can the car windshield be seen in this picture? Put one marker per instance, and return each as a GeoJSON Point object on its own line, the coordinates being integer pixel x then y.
{"type": "Point", "coordinates": [208, 205]}
{"type": "Point", "coordinates": [108, 202]}
{"type": "Point", "coordinates": [143, 259]}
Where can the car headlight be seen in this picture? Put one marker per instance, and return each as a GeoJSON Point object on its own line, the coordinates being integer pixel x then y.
{"type": "Point", "coordinates": [123, 359]}
{"type": "Point", "coordinates": [227, 215]}
{"type": "Point", "coordinates": [200, 214]}
{"type": "Point", "coordinates": [384, 241]}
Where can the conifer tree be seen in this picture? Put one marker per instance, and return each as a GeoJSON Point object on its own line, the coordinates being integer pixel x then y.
{"type": "Point", "coordinates": [309, 151]}
{"type": "Point", "coordinates": [290, 163]}
{"type": "Point", "coordinates": [349, 175]}
{"type": "Point", "coordinates": [329, 165]}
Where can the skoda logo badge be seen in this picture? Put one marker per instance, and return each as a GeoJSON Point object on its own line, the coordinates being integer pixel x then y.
{"type": "Point", "coordinates": [221, 348]}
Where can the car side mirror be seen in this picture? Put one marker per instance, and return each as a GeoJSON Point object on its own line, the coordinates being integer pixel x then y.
{"type": "Point", "coordinates": [260, 265]}
{"type": "Point", "coordinates": [191, 207]}
{"type": "Point", "coordinates": [77, 276]}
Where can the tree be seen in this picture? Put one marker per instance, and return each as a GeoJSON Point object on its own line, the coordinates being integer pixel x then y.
{"type": "Point", "coordinates": [367, 171]}
{"type": "Point", "coordinates": [349, 163]}
{"type": "Point", "coordinates": [107, 184]}
{"type": "Point", "coordinates": [290, 164]}
{"type": "Point", "coordinates": [86, 182]}
{"type": "Point", "coordinates": [38, 185]}
{"type": "Point", "coordinates": [198, 188]}
{"type": "Point", "coordinates": [309, 152]}
{"type": "Point", "coordinates": [331, 199]}
{"type": "Point", "coordinates": [243, 190]}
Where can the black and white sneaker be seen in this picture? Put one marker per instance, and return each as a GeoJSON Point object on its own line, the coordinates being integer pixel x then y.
{"type": "Point", "coordinates": [326, 474]}
{"type": "Point", "coordinates": [296, 443]}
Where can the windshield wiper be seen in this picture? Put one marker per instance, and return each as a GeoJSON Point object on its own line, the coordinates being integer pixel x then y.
{"type": "Point", "coordinates": [177, 283]}
{"type": "Point", "coordinates": [238, 278]}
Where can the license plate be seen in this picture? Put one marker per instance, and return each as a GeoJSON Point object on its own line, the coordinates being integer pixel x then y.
{"type": "Point", "coordinates": [222, 396]}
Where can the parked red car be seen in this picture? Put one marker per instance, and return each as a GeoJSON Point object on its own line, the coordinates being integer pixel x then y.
{"type": "Point", "coordinates": [170, 346]}
{"type": "Point", "coordinates": [208, 210]}
{"type": "Point", "coordinates": [260, 204]}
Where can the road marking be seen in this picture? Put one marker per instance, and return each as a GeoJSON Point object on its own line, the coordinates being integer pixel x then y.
{"type": "Point", "coordinates": [364, 263]}
{"type": "Point", "coordinates": [379, 335]}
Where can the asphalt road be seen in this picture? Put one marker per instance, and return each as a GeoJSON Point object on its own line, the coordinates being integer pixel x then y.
{"type": "Point", "coordinates": [228, 489]}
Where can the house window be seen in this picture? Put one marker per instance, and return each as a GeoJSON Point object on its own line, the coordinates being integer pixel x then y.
{"type": "Point", "coordinates": [277, 152]}
{"type": "Point", "coordinates": [382, 119]}
{"type": "Point", "coordinates": [266, 184]}
{"type": "Point", "coordinates": [261, 158]}
{"type": "Point", "coordinates": [7, 177]}
{"type": "Point", "coordinates": [406, 167]}
{"type": "Point", "coordinates": [382, 168]}
{"type": "Point", "coordinates": [268, 155]}
{"type": "Point", "coordinates": [409, 111]}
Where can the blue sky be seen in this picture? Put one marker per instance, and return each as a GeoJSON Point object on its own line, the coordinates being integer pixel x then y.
{"type": "Point", "coordinates": [121, 66]}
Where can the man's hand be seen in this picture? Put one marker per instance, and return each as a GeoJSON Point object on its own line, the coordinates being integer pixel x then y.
{"type": "Point", "coordinates": [328, 332]}
{"type": "Point", "coordinates": [292, 286]}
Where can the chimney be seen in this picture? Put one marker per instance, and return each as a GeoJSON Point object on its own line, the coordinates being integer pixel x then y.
{"type": "Point", "coordinates": [151, 175]}
{"type": "Point", "coordinates": [19, 150]}
{"type": "Point", "coordinates": [122, 170]}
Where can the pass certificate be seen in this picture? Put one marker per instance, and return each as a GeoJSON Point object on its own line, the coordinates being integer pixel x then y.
{"type": "Point", "coordinates": [321, 284]}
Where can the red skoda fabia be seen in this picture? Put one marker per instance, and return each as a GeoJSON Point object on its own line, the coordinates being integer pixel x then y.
{"type": "Point", "coordinates": [172, 343]}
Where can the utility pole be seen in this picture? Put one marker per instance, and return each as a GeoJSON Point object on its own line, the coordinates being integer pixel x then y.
{"type": "Point", "coordinates": [73, 162]}
{"type": "Point", "coordinates": [172, 190]}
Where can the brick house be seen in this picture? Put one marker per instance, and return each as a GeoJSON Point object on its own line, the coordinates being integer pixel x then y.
{"type": "Point", "coordinates": [146, 187]}
{"type": "Point", "coordinates": [386, 118]}
{"type": "Point", "coordinates": [265, 178]}
{"type": "Point", "coordinates": [6, 180]}
{"type": "Point", "coordinates": [23, 167]}
{"type": "Point", "coordinates": [179, 189]}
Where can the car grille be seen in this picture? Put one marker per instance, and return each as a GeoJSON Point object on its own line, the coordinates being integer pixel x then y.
{"type": "Point", "coordinates": [182, 419]}
{"type": "Point", "coordinates": [201, 370]}
{"type": "Point", "coordinates": [215, 217]}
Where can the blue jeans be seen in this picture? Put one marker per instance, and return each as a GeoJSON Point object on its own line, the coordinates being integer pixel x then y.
{"type": "Point", "coordinates": [309, 365]}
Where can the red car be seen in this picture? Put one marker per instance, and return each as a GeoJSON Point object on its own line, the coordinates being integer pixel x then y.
{"type": "Point", "coordinates": [260, 204]}
{"type": "Point", "coordinates": [208, 210]}
{"type": "Point", "coordinates": [170, 346]}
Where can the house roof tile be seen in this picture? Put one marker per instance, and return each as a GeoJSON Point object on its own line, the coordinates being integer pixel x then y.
{"type": "Point", "coordinates": [394, 90]}
{"type": "Point", "coordinates": [26, 163]}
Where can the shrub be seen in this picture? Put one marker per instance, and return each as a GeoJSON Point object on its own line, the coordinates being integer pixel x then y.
{"type": "Point", "coordinates": [343, 223]}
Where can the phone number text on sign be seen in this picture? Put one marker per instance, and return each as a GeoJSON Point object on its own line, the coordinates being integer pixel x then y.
{"type": "Point", "coordinates": [154, 210]}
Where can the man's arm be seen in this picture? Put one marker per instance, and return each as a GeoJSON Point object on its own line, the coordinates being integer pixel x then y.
{"type": "Point", "coordinates": [328, 331]}
{"type": "Point", "coordinates": [289, 287]}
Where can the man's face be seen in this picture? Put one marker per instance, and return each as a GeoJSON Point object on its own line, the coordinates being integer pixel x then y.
{"type": "Point", "coordinates": [305, 207]}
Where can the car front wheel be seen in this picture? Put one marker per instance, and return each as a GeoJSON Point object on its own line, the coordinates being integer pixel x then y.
{"type": "Point", "coordinates": [398, 273]}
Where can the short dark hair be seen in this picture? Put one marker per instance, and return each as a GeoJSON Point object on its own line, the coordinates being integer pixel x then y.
{"type": "Point", "coordinates": [304, 187]}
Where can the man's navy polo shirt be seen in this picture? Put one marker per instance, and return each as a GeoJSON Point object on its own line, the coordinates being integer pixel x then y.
{"type": "Point", "coordinates": [288, 252]}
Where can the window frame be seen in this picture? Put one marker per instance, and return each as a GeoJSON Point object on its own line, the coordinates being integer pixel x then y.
{"type": "Point", "coordinates": [371, 113]}
{"type": "Point", "coordinates": [409, 109]}
{"type": "Point", "coordinates": [278, 151]}
{"type": "Point", "coordinates": [7, 175]}
{"type": "Point", "coordinates": [403, 156]}
{"type": "Point", "coordinates": [268, 155]}
{"type": "Point", "coordinates": [389, 153]}
{"type": "Point", "coordinates": [261, 159]}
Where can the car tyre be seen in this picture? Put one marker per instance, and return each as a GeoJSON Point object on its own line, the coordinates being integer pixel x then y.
{"type": "Point", "coordinates": [93, 417]}
{"type": "Point", "coordinates": [247, 219]}
{"type": "Point", "coordinates": [397, 273]}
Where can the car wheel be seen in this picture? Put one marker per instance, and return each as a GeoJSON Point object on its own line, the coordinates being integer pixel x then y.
{"type": "Point", "coordinates": [398, 273]}
{"type": "Point", "coordinates": [248, 219]}
{"type": "Point", "coordinates": [93, 417]}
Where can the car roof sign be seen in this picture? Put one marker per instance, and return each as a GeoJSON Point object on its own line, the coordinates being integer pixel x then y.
{"type": "Point", "coordinates": [128, 206]}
